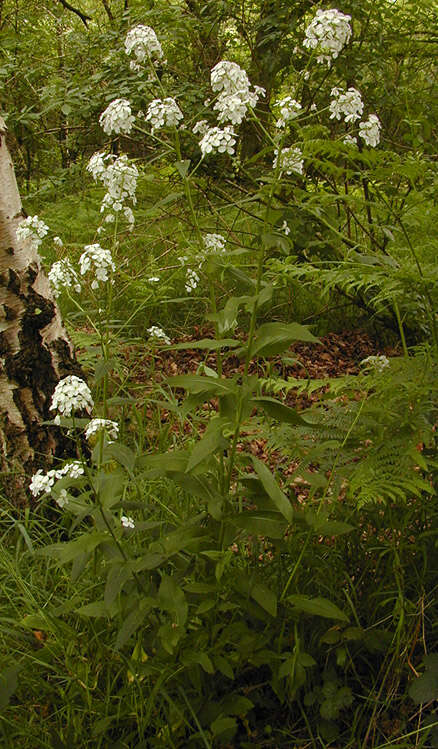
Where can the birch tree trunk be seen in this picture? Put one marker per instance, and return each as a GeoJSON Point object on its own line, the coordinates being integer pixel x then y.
{"type": "Point", "coordinates": [35, 352]}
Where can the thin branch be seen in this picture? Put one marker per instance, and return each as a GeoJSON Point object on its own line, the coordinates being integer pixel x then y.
{"type": "Point", "coordinates": [84, 18]}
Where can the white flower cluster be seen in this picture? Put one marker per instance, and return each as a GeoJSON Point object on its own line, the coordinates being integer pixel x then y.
{"type": "Point", "coordinates": [158, 334]}
{"type": "Point", "coordinates": [127, 521]}
{"type": "Point", "coordinates": [42, 483]}
{"type": "Point", "coordinates": [235, 94]}
{"type": "Point", "coordinates": [349, 140]}
{"type": "Point", "coordinates": [100, 260]}
{"type": "Point", "coordinates": [290, 160]}
{"type": "Point", "coordinates": [192, 280]}
{"type": "Point", "coordinates": [328, 33]}
{"type": "Point", "coordinates": [99, 425]}
{"type": "Point", "coordinates": [143, 42]}
{"type": "Point", "coordinates": [346, 103]}
{"type": "Point", "coordinates": [369, 130]}
{"type": "Point", "coordinates": [289, 109]}
{"type": "Point", "coordinates": [164, 113]}
{"type": "Point", "coordinates": [200, 128]}
{"type": "Point", "coordinates": [119, 176]}
{"type": "Point", "coordinates": [219, 140]}
{"type": "Point", "coordinates": [71, 394]}
{"type": "Point", "coordinates": [96, 166]}
{"type": "Point", "coordinates": [285, 228]}
{"type": "Point", "coordinates": [379, 363]}
{"type": "Point", "coordinates": [214, 242]}
{"type": "Point", "coordinates": [117, 118]}
{"type": "Point", "coordinates": [33, 229]}
{"type": "Point", "coordinates": [62, 275]}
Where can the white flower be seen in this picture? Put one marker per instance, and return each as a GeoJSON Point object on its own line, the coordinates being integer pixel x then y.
{"type": "Point", "coordinates": [71, 394]}
{"type": "Point", "coordinates": [231, 107]}
{"type": "Point", "coordinates": [158, 334]}
{"type": "Point", "coordinates": [379, 363]}
{"type": "Point", "coordinates": [62, 275]}
{"type": "Point", "coordinates": [200, 128]}
{"type": "Point", "coordinates": [61, 498]}
{"type": "Point", "coordinates": [119, 176]}
{"type": "Point", "coordinates": [369, 130]}
{"type": "Point", "coordinates": [100, 260]}
{"type": "Point", "coordinates": [58, 242]}
{"type": "Point", "coordinates": [219, 140]}
{"type": "Point", "coordinates": [164, 113]}
{"type": "Point", "coordinates": [98, 425]}
{"type": "Point", "coordinates": [347, 103]}
{"type": "Point", "coordinates": [42, 483]}
{"type": "Point", "coordinates": [285, 228]}
{"type": "Point", "coordinates": [33, 229]}
{"type": "Point", "coordinates": [192, 280]}
{"type": "Point", "coordinates": [289, 109]}
{"type": "Point", "coordinates": [290, 160]}
{"type": "Point", "coordinates": [117, 118]}
{"type": "Point", "coordinates": [214, 242]}
{"type": "Point", "coordinates": [96, 165]}
{"type": "Point", "coordinates": [349, 140]}
{"type": "Point", "coordinates": [127, 521]}
{"type": "Point", "coordinates": [73, 470]}
{"type": "Point", "coordinates": [143, 42]}
{"type": "Point", "coordinates": [235, 95]}
{"type": "Point", "coordinates": [154, 279]}
{"type": "Point", "coordinates": [328, 33]}
{"type": "Point", "coordinates": [229, 77]}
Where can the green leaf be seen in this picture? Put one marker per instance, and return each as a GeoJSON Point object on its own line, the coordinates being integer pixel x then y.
{"type": "Point", "coordinates": [425, 687]}
{"type": "Point", "coordinates": [208, 344]}
{"type": "Point", "coordinates": [8, 684]}
{"type": "Point", "coordinates": [96, 609]}
{"type": "Point", "coordinates": [200, 384]}
{"type": "Point", "coordinates": [164, 463]}
{"type": "Point", "coordinates": [259, 523]}
{"type": "Point", "coordinates": [265, 598]}
{"type": "Point", "coordinates": [317, 606]}
{"type": "Point", "coordinates": [280, 411]}
{"type": "Point", "coordinates": [220, 725]}
{"type": "Point", "coordinates": [172, 599]}
{"type": "Point", "coordinates": [235, 704]}
{"type": "Point", "coordinates": [224, 666]}
{"type": "Point", "coordinates": [183, 167]}
{"type": "Point", "coordinates": [118, 575]}
{"type": "Point", "coordinates": [121, 454]}
{"type": "Point", "coordinates": [250, 587]}
{"type": "Point", "coordinates": [133, 621]}
{"type": "Point", "coordinates": [211, 441]}
{"type": "Point", "coordinates": [275, 337]}
{"type": "Point", "coordinates": [271, 487]}
{"type": "Point", "coordinates": [66, 552]}
{"type": "Point", "coordinates": [325, 527]}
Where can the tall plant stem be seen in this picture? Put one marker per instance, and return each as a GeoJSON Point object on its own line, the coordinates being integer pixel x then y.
{"type": "Point", "coordinates": [251, 333]}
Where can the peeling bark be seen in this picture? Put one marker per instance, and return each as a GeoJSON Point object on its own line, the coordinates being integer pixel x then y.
{"type": "Point", "coordinates": [35, 352]}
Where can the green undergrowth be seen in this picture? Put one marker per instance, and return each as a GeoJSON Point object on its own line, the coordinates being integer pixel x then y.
{"type": "Point", "coordinates": [294, 615]}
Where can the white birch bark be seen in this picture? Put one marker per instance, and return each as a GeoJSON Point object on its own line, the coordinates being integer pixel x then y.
{"type": "Point", "coordinates": [34, 349]}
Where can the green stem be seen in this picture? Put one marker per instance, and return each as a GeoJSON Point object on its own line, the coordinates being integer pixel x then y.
{"type": "Point", "coordinates": [401, 329]}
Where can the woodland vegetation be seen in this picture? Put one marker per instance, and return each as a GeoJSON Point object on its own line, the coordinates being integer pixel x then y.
{"type": "Point", "coordinates": [217, 488]}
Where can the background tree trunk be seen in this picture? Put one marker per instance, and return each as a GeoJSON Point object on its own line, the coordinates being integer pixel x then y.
{"type": "Point", "coordinates": [35, 352]}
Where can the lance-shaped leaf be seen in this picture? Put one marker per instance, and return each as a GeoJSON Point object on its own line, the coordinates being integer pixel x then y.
{"type": "Point", "coordinates": [317, 606]}
{"type": "Point", "coordinates": [280, 411]}
{"type": "Point", "coordinates": [273, 490]}
{"type": "Point", "coordinates": [275, 337]}
{"type": "Point", "coordinates": [211, 441]}
{"type": "Point", "coordinates": [202, 384]}
{"type": "Point", "coordinates": [207, 344]}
